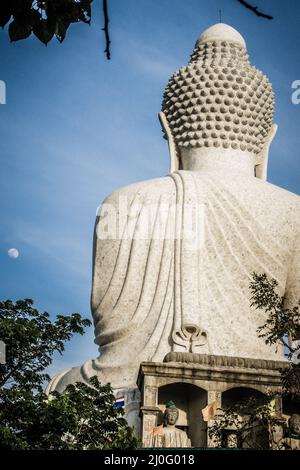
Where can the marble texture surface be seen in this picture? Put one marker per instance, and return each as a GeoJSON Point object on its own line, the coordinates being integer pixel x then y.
{"type": "Point", "coordinates": [219, 99]}
{"type": "Point", "coordinates": [143, 290]}
{"type": "Point", "coordinates": [179, 280]}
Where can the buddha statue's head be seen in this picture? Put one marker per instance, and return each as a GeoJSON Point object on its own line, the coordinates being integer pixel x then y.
{"type": "Point", "coordinates": [219, 106]}
{"type": "Point", "coordinates": [171, 414]}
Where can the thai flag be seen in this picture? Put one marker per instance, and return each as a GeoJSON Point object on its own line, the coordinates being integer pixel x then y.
{"type": "Point", "coordinates": [119, 403]}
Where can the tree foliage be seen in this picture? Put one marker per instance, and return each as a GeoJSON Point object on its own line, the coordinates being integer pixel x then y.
{"type": "Point", "coordinates": [82, 417]}
{"type": "Point", "coordinates": [256, 424]}
{"type": "Point", "coordinates": [43, 18]}
{"type": "Point", "coordinates": [282, 326]}
{"type": "Point", "coordinates": [282, 323]}
{"type": "Point", "coordinates": [31, 339]}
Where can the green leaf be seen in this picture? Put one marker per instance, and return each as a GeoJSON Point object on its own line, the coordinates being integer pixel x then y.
{"type": "Point", "coordinates": [61, 29]}
{"type": "Point", "coordinates": [5, 12]}
{"type": "Point", "coordinates": [42, 31]}
{"type": "Point", "coordinates": [52, 16]}
{"type": "Point", "coordinates": [87, 11]}
{"type": "Point", "coordinates": [19, 6]}
{"type": "Point", "coordinates": [18, 31]}
{"type": "Point", "coordinates": [28, 17]}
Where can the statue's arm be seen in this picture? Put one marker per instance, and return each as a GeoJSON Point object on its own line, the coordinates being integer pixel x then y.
{"type": "Point", "coordinates": [111, 246]}
{"type": "Point", "coordinates": [117, 223]}
{"type": "Point", "coordinates": [105, 250]}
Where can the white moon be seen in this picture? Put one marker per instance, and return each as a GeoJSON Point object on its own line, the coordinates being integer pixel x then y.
{"type": "Point", "coordinates": [13, 253]}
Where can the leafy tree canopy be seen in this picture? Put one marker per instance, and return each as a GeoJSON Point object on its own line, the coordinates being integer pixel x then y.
{"type": "Point", "coordinates": [254, 423]}
{"type": "Point", "coordinates": [31, 339]}
{"type": "Point", "coordinates": [82, 417]}
{"type": "Point", "coordinates": [43, 18]}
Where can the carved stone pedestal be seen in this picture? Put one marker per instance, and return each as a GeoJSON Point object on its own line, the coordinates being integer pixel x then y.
{"type": "Point", "coordinates": [194, 381]}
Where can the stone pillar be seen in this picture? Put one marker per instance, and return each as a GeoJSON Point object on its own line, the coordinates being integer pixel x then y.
{"type": "Point", "coordinates": [276, 432]}
{"type": "Point", "coordinates": [213, 395]}
{"type": "Point", "coordinates": [149, 421]}
{"type": "Point", "coordinates": [149, 411]}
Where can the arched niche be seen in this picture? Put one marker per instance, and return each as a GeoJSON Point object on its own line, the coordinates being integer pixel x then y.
{"type": "Point", "coordinates": [241, 395]}
{"type": "Point", "coordinates": [257, 435]}
{"type": "Point", "coordinates": [190, 400]}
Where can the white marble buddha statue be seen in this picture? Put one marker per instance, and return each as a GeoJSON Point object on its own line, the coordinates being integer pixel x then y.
{"type": "Point", "coordinates": [215, 220]}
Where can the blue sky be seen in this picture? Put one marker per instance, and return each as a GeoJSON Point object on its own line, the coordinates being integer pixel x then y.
{"type": "Point", "coordinates": [76, 127]}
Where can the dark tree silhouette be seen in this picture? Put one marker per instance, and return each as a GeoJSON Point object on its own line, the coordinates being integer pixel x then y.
{"type": "Point", "coordinates": [43, 18]}
{"type": "Point", "coordinates": [106, 30]}
{"type": "Point", "coordinates": [255, 10]}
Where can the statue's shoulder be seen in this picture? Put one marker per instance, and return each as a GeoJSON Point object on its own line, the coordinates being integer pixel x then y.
{"type": "Point", "coordinates": [281, 192]}
{"type": "Point", "coordinates": [279, 195]}
{"type": "Point", "coordinates": [150, 190]}
{"type": "Point", "coordinates": [280, 204]}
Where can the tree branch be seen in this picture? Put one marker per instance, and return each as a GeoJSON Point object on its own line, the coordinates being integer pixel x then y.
{"type": "Point", "coordinates": [255, 10]}
{"type": "Point", "coordinates": [106, 30]}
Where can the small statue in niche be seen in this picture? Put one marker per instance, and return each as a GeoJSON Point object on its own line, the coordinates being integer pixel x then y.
{"type": "Point", "coordinates": [292, 433]}
{"type": "Point", "coordinates": [168, 435]}
{"type": "Point", "coordinates": [294, 426]}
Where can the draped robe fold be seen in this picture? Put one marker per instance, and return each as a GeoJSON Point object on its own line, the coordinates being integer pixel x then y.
{"type": "Point", "coordinates": [208, 234]}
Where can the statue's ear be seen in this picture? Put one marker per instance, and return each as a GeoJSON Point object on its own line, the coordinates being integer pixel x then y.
{"type": "Point", "coordinates": [175, 163]}
{"type": "Point", "coordinates": [261, 160]}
